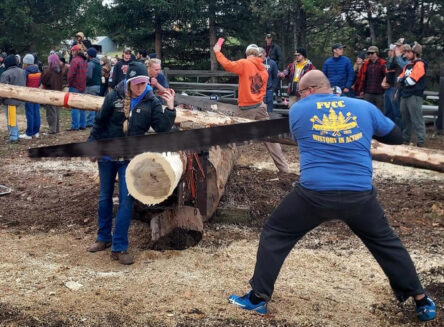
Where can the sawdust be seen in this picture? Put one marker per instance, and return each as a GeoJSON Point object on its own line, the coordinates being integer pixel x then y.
{"type": "Point", "coordinates": [329, 279]}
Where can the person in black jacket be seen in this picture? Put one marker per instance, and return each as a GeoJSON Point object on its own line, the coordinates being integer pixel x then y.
{"type": "Point", "coordinates": [273, 51]}
{"type": "Point", "coordinates": [130, 109]}
{"type": "Point", "coordinates": [121, 67]}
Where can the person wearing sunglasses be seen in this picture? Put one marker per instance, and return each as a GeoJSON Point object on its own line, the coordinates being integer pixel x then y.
{"type": "Point", "coordinates": [334, 137]}
{"type": "Point", "coordinates": [294, 72]}
{"type": "Point", "coordinates": [370, 77]}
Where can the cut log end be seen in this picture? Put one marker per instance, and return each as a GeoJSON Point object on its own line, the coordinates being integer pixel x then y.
{"type": "Point", "coordinates": [152, 177]}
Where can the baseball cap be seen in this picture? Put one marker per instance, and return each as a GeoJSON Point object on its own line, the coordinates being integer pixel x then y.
{"type": "Point", "coordinates": [268, 36]}
{"type": "Point", "coordinates": [127, 50]}
{"type": "Point", "coordinates": [75, 48]}
{"type": "Point", "coordinates": [137, 73]}
{"type": "Point", "coordinates": [338, 46]}
{"type": "Point", "coordinates": [373, 48]}
{"type": "Point", "coordinates": [400, 41]}
{"type": "Point", "coordinates": [80, 34]}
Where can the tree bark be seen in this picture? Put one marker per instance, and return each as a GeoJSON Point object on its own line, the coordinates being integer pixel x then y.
{"type": "Point", "coordinates": [91, 102]}
{"type": "Point", "coordinates": [212, 38]}
{"type": "Point", "coordinates": [158, 38]}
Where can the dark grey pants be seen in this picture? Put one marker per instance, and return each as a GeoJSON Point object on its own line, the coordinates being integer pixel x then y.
{"type": "Point", "coordinates": [302, 210]}
{"type": "Point", "coordinates": [53, 118]}
{"type": "Point", "coordinates": [412, 119]}
{"type": "Point", "coordinates": [376, 99]}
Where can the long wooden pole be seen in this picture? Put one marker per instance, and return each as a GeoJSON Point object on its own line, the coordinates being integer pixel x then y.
{"type": "Point", "coordinates": [92, 102]}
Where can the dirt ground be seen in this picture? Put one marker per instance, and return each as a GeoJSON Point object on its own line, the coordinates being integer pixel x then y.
{"type": "Point", "coordinates": [47, 278]}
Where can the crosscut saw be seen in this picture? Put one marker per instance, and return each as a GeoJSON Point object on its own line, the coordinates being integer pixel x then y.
{"type": "Point", "coordinates": [200, 139]}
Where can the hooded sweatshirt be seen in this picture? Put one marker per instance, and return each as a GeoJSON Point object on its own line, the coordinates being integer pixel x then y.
{"type": "Point", "coordinates": [94, 73]}
{"type": "Point", "coordinates": [34, 76]}
{"type": "Point", "coordinates": [253, 78]}
{"type": "Point", "coordinates": [13, 75]}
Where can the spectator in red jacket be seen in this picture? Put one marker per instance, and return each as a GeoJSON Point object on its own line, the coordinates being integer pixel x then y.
{"type": "Point", "coordinates": [77, 84]}
{"type": "Point", "coordinates": [370, 76]}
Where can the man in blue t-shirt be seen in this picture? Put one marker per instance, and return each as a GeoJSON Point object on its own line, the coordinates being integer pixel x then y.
{"type": "Point", "coordinates": [334, 137]}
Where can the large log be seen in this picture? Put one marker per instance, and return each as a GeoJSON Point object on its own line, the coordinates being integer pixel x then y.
{"type": "Point", "coordinates": [178, 222]}
{"type": "Point", "coordinates": [408, 156]}
{"type": "Point", "coordinates": [91, 102]}
{"type": "Point", "coordinates": [152, 177]}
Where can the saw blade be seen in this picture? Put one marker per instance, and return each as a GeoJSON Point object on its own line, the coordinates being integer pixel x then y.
{"type": "Point", "coordinates": [195, 139]}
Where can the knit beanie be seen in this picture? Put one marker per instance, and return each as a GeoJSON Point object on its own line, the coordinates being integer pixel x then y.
{"type": "Point", "coordinates": [28, 59]}
{"type": "Point", "coordinates": [10, 61]}
{"type": "Point", "coordinates": [137, 73]}
{"type": "Point", "coordinates": [91, 52]}
{"type": "Point", "coordinates": [301, 51]}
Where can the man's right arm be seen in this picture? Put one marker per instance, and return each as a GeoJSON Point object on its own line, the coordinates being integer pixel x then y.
{"type": "Point", "coordinates": [235, 67]}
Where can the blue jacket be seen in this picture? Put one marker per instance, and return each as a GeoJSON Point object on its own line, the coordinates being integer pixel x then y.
{"type": "Point", "coordinates": [272, 69]}
{"type": "Point", "coordinates": [339, 71]}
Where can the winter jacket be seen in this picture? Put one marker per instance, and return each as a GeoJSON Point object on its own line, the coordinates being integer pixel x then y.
{"type": "Point", "coordinates": [33, 76]}
{"type": "Point", "coordinates": [289, 73]}
{"type": "Point", "coordinates": [119, 72]}
{"type": "Point", "coordinates": [52, 79]}
{"type": "Point", "coordinates": [77, 73]}
{"type": "Point", "coordinates": [252, 78]}
{"type": "Point", "coordinates": [393, 71]}
{"type": "Point", "coordinates": [339, 71]}
{"type": "Point", "coordinates": [274, 52]}
{"type": "Point", "coordinates": [412, 79]}
{"type": "Point", "coordinates": [362, 79]}
{"type": "Point", "coordinates": [272, 70]}
{"type": "Point", "coordinates": [13, 75]}
{"type": "Point", "coordinates": [147, 113]}
{"type": "Point", "coordinates": [94, 73]}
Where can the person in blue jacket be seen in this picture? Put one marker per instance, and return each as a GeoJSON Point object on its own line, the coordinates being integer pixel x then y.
{"type": "Point", "coordinates": [339, 69]}
{"type": "Point", "coordinates": [273, 79]}
{"type": "Point", "coordinates": [334, 137]}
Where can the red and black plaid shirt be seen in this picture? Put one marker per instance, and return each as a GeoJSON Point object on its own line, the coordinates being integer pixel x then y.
{"type": "Point", "coordinates": [77, 73]}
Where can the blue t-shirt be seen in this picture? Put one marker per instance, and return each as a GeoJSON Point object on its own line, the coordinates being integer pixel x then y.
{"type": "Point", "coordinates": [334, 136]}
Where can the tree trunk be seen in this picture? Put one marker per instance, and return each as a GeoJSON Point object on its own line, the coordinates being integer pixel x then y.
{"type": "Point", "coordinates": [389, 29]}
{"type": "Point", "coordinates": [179, 225]}
{"type": "Point", "coordinates": [408, 156]}
{"type": "Point", "coordinates": [152, 177]}
{"type": "Point", "coordinates": [212, 39]}
{"type": "Point", "coordinates": [158, 38]}
{"type": "Point", "coordinates": [92, 102]}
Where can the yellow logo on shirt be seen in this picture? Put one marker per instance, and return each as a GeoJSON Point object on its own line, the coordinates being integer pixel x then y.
{"type": "Point", "coordinates": [335, 128]}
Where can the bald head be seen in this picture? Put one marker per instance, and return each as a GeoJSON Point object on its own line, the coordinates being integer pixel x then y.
{"type": "Point", "coordinates": [317, 80]}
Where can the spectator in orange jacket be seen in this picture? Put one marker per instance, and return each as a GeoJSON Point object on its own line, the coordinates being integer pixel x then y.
{"type": "Point", "coordinates": [412, 84]}
{"type": "Point", "coordinates": [252, 86]}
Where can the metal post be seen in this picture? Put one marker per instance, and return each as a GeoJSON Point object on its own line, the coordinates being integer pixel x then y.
{"type": "Point", "coordinates": [440, 120]}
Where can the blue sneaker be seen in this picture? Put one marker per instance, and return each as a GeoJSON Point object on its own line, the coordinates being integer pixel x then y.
{"type": "Point", "coordinates": [245, 303]}
{"type": "Point", "coordinates": [426, 312]}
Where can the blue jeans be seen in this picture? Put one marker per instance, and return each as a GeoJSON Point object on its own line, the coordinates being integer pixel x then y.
{"type": "Point", "coordinates": [91, 114]}
{"type": "Point", "coordinates": [77, 116]}
{"type": "Point", "coordinates": [12, 123]}
{"type": "Point", "coordinates": [269, 100]}
{"type": "Point", "coordinates": [391, 106]}
{"type": "Point", "coordinates": [32, 111]}
{"type": "Point", "coordinates": [107, 172]}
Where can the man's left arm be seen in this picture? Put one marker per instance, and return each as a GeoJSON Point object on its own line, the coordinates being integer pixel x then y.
{"type": "Point", "coordinates": [385, 130]}
{"type": "Point", "coordinates": [350, 75]}
{"type": "Point", "coordinates": [417, 73]}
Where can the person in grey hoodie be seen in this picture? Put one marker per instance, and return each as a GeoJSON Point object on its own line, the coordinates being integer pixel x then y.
{"type": "Point", "coordinates": [15, 76]}
{"type": "Point", "coordinates": [93, 81]}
